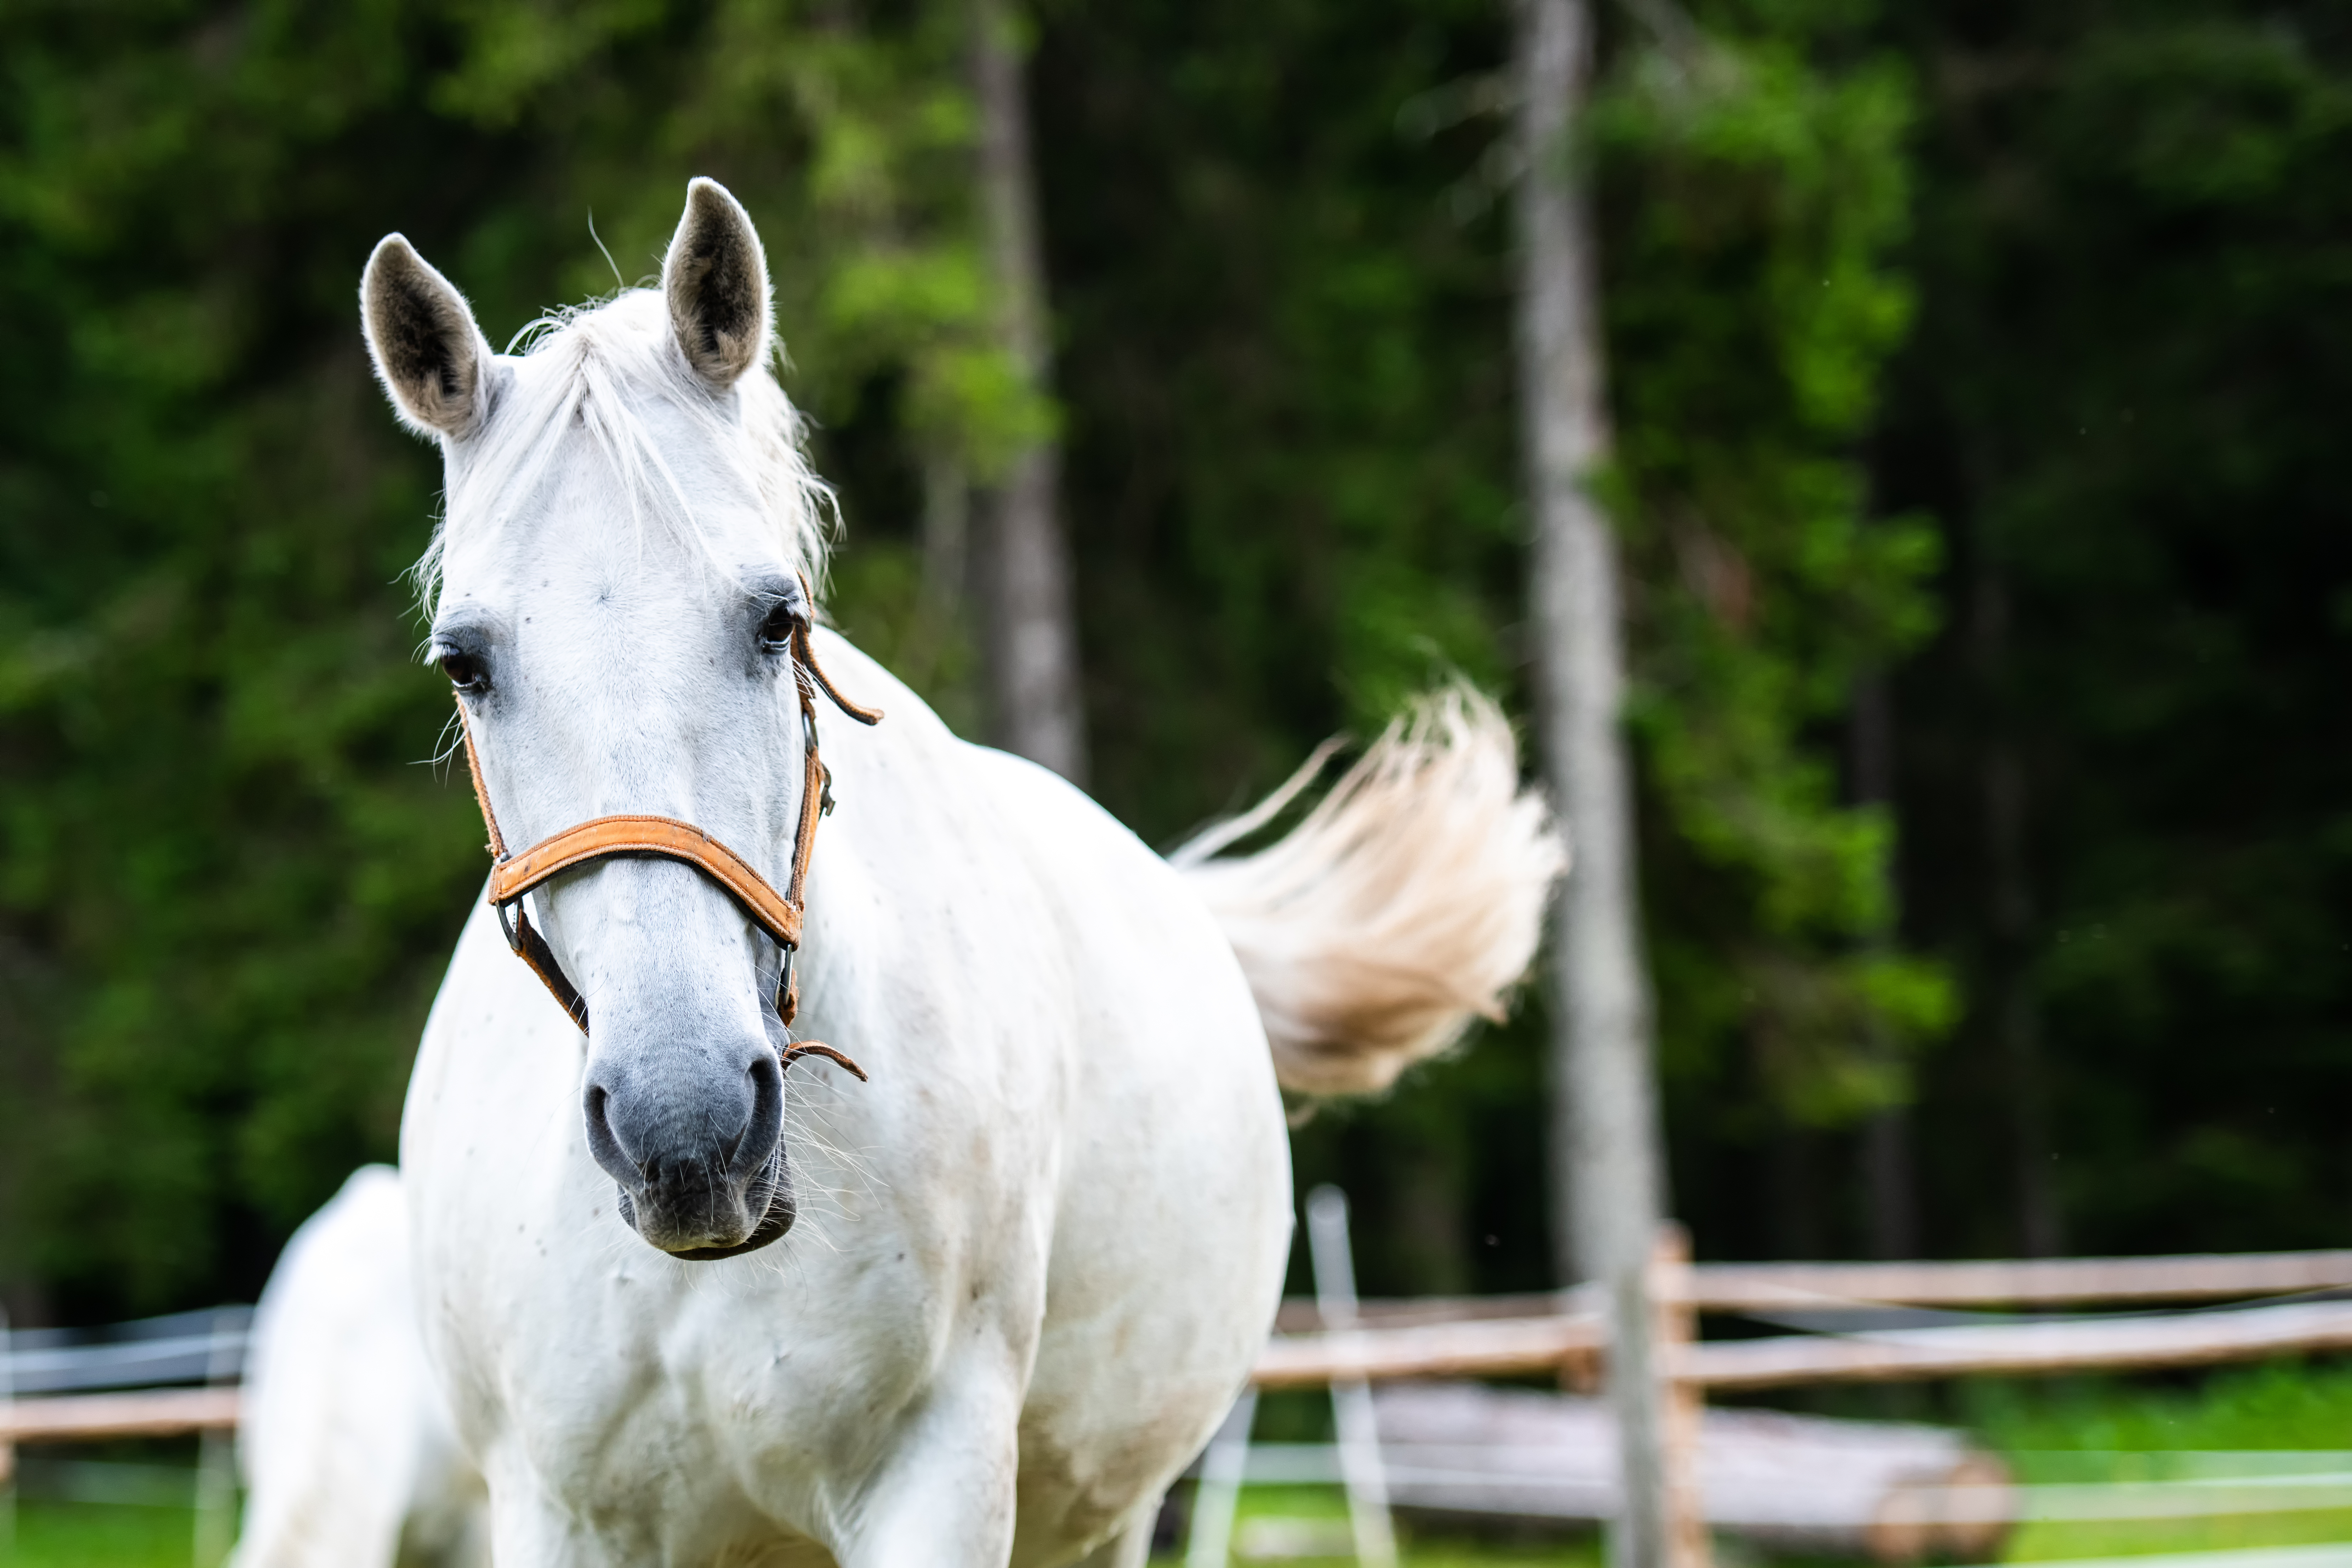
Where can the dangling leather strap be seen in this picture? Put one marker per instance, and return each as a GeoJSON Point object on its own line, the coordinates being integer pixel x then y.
{"type": "Point", "coordinates": [778, 914]}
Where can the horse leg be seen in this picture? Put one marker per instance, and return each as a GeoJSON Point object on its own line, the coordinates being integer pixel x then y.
{"type": "Point", "coordinates": [530, 1529]}
{"type": "Point", "coordinates": [1131, 1547]}
{"type": "Point", "coordinates": [944, 1496]}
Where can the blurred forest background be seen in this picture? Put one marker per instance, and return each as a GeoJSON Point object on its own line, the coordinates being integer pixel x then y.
{"type": "Point", "coordinates": [1974, 369]}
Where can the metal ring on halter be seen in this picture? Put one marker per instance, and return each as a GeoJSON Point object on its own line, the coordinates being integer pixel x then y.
{"type": "Point", "coordinates": [506, 924]}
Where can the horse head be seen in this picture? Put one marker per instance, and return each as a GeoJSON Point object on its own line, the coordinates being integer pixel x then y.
{"type": "Point", "coordinates": [615, 589]}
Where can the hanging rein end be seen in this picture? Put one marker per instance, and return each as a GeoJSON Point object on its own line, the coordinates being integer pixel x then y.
{"type": "Point", "coordinates": [815, 1048]}
{"type": "Point", "coordinates": [788, 1006]}
{"type": "Point", "coordinates": [806, 652]}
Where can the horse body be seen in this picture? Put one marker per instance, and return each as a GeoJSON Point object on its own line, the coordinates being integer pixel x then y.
{"type": "Point", "coordinates": [347, 1444]}
{"type": "Point", "coordinates": [1049, 1288]}
{"type": "Point", "coordinates": [684, 1310]}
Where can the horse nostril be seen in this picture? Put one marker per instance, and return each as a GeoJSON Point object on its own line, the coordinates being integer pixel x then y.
{"type": "Point", "coordinates": [765, 1125]}
{"type": "Point", "coordinates": [604, 1143]}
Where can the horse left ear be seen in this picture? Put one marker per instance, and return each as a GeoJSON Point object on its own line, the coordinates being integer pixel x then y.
{"type": "Point", "coordinates": [427, 350]}
{"type": "Point", "coordinates": [716, 278]}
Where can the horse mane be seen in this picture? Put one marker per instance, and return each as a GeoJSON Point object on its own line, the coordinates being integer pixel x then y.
{"type": "Point", "coordinates": [615, 357]}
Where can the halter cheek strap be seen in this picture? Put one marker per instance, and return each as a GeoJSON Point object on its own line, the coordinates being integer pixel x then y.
{"type": "Point", "coordinates": [667, 837]}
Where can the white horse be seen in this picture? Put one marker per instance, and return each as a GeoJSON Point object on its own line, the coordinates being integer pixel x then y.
{"type": "Point", "coordinates": [349, 1452]}
{"type": "Point", "coordinates": [1030, 1262]}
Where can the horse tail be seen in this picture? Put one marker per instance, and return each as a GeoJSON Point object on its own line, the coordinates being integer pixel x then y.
{"type": "Point", "coordinates": [1407, 902]}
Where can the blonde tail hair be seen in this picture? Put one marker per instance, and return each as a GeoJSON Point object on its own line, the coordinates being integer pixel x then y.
{"type": "Point", "coordinates": [1407, 902]}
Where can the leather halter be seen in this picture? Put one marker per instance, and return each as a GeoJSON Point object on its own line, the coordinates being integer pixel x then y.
{"type": "Point", "coordinates": [667, 837]}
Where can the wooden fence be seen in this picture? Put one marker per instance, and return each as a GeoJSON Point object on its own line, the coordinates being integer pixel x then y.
{"type": "Point", "coordinates": [1864, 1328]}
{"type": "Point", "coordinates": [64, 1385]}
{"type": "Point", "coordinates": [50, 1379]}
{"type": "Point", "coordinates": [1499, 1335]}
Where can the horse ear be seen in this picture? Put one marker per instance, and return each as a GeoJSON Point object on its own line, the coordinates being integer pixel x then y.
{"type": "Point", "coordinates": [428, 352]}
{"type": "Point", "coordinates": [716, 278]}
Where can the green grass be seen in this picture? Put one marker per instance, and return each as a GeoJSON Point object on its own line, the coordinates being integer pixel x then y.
{"type": "Point", "coordinates": [2111, 1429]}
{"type": "Point", "coordinates": [95, 1535]}
{"type": "Point", "coordinates": [1421, 1548]}
{"type": "Point", "coordinates": [2280, 1404]}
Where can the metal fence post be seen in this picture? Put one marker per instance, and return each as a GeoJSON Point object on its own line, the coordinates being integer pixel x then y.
{"type": "Point", "coordinates": [1209, 1539]}
{"type": "Point", "coordinates": [1352, 1411]}
{"type": "Point", "coordinates": [215, 1530]}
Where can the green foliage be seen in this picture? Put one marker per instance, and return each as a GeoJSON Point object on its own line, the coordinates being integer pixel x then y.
{"type": "Point", "coordinates": [2123, 397]}
{"type": "Point", "coordinates": [1756, 190]}
{"type": "Point", "coordinates": [2103, 243]}
{"type": "Point", "coordinates": [1280, 270]}
{"type": "Point", "coordinates": [1280, 277]}
{"type": "Point", "coordinates": [230, 877]}
{"type": "Point", "coordinates": [1285, 362]}
{"type": "Point", "coordinates": [1281, 258]}
{"type": "Point", "coordinates": [221, 878]}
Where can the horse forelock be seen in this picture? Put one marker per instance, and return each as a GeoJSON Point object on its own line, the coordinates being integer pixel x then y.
{"type": "Point", "coordinates": [595, 368]}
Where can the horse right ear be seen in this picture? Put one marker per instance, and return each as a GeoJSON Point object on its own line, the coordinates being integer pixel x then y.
{"type": "Point", "coordinates": [428, 352]}
{"type": "Point", "coordinates": [716, 277]}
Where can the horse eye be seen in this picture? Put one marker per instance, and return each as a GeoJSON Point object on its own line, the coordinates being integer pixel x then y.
{"type": "Point", "coordinates": [776, 631]}
{"type": "Point", "coordinates": [466, 673]}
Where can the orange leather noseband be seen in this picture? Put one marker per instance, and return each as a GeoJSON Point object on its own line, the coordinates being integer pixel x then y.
{"type": "Point", "coordinates": [599, 838]}
{"type": "Point", "coordinates": [663, 836]}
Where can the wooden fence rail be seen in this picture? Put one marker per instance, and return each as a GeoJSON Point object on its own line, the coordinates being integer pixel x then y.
{"type": "Point", "coordinates": [1997, 1282]}
{"type": "Point", "coordinates": [1488, 1348]}
{"type": "Point", "coordinates": [2049, 1281]}
{"type": "Point", "coordinates": [162, 1413]}
{"type": "Point", "coordinates": [1996, 1348]}
{"type": "Point", "coordinates": [64, 1371]}
{"type": "Point", "coordinates": [1573, 1343]}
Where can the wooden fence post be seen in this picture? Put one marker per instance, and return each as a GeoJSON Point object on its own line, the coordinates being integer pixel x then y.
{"type": "Point", "coordinates": [1675, 1328]}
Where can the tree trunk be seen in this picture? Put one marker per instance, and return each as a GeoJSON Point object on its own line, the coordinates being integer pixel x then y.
{"type": "Point", "coordinates": [1890, 1178]}
{"type": "Point", "coordinates": [1609, 1189]}
{"type": "Point", "coordinates": [2016, 1017]}
{"type": "Point", "coordinates": [1028, 629]}
{"type": "Point", "coordinates": [1889, 1182]}
{"type": "Point", "coordinates": [1792, 1183]}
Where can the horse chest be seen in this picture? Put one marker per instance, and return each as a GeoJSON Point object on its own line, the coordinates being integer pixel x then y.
{"type": "Point", "coordinates": [610, 1371]}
